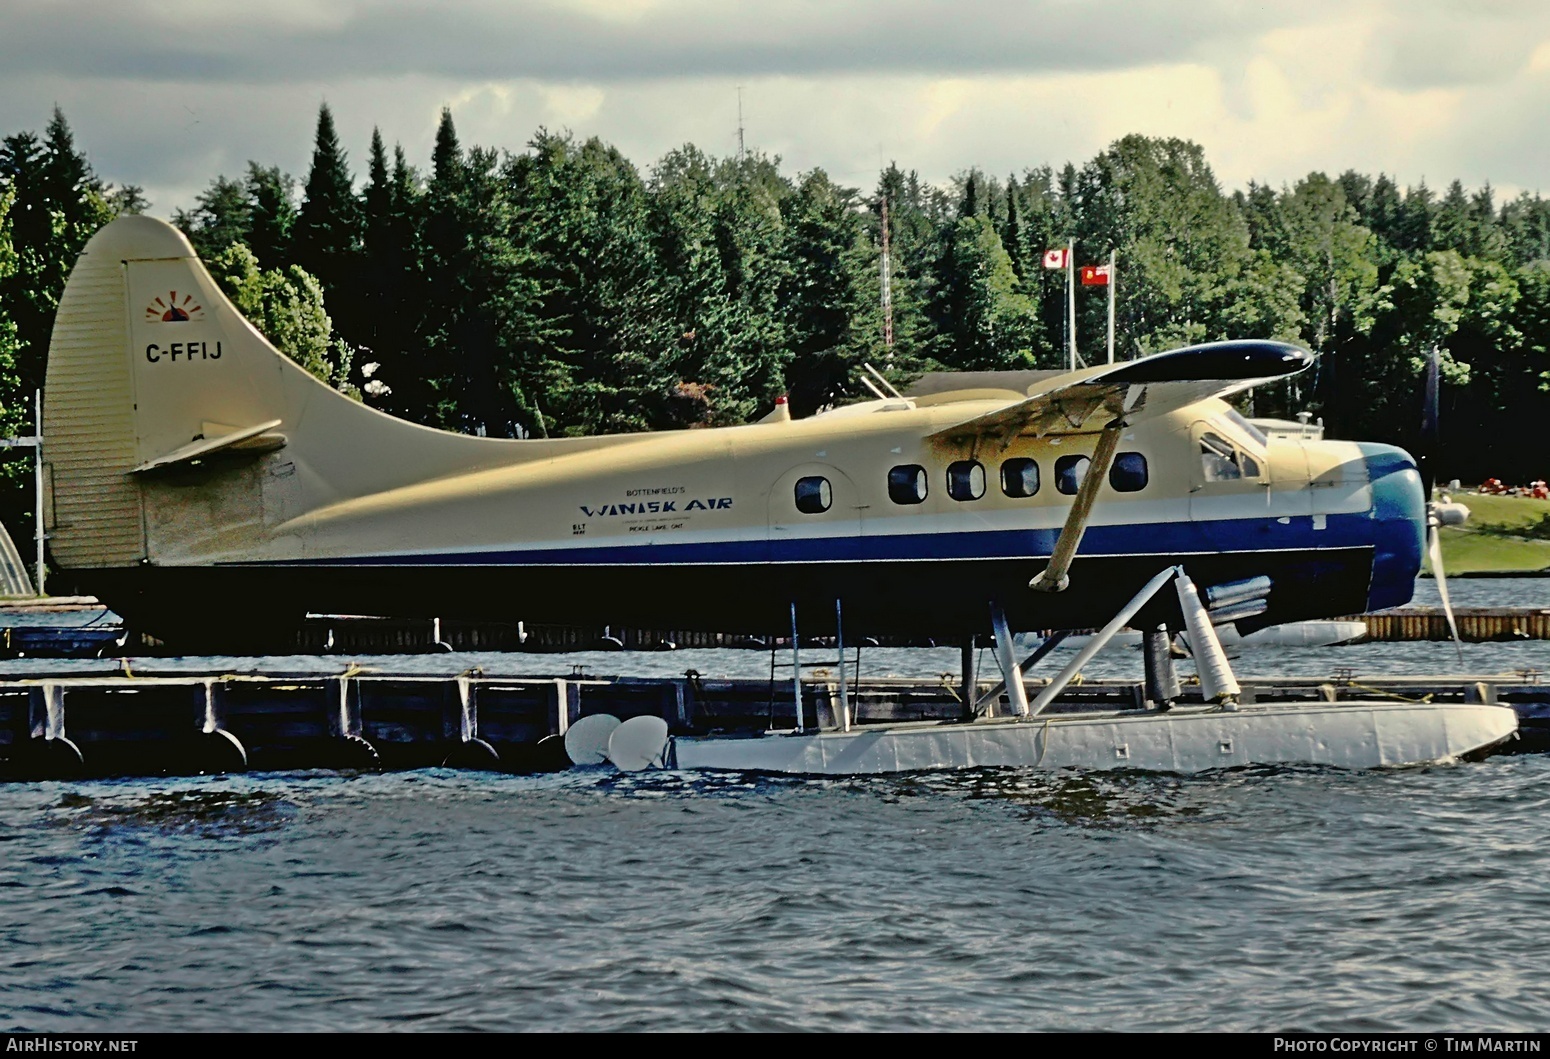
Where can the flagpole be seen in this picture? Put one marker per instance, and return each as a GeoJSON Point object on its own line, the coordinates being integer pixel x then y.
{"type": "Point", "coordinates": [1071, 297]}
{"type": "Point", "coordinates": [1111, 306]}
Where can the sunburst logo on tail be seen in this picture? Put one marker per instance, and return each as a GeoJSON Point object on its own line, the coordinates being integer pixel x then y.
{"type": "Point", "coordinates": [174, 308]}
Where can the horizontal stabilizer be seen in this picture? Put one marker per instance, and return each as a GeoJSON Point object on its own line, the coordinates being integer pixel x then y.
{"type": "Point", "coordinates": [1084, 402]}
{"type": "Point", "coordinates": [253, 440]}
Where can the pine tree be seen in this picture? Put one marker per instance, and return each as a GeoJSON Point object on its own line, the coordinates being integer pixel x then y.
{"type": "Point", "coordinates": [1011, 232]}
{"type": "Point", "coordinates": [447, 163]}
{"type": "Point", "coordinates": [59, 204]}
{"type": "Point", "coordinates": [68, 180]}
{"type": "Point", "coordinates": [971, 197]}
{"type": "Point", "coordinates": [376, 199]}
{"type": "Point", "coordinates": [220, 217]}
{"type": "Point", "coordinates": [830, 296]}
{"type": "Point", "coordinates": [983, 322]}
{"type": "Point", "coordinates": [271, 215]}
{"type": "Point", "coordinates": [1453, 227]}
{"type": "Point", "coordinates": [393, 276]}
{"type": "Point", "coordinates": [605, 346]}
{"type": "Point", "coordinates": [912, 260]}
{"type": "Point", "coordinates": [13, 404]}
{"type": "Point", "coordinates": [1413, 232]}
{"type": "Point", "coordinates": [437, 382]}
{"type": "Point", "coordinates": [380, 264]}
{"type": "Point", "coordinates": [1525, 227]}
{"type": "Point", "coordinates": [327, 232]}
{"type": "Point", "coordinates": [55, 204]}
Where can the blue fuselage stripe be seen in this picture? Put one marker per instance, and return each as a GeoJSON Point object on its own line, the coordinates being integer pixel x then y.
{"type": "Point", "coordinates": [1162, 538]}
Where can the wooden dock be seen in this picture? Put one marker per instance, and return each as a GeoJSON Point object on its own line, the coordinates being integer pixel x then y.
{"type": "Point", "coordinates": [54, 726]}
{"type": "Point", "coordinates": [1476, 624]}
{"type": "Point", "coordinates": [325, 634]}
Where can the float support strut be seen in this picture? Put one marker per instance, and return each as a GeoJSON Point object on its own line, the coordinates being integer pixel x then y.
{"type": "Point", "coordinates": [796, 667]}
{"type": "Point", "coordinates": [1010, 672]}
{"type": "Point", "coordinates": [1162, 681]}
{"type": "Point", "coordinates": [839, 639]}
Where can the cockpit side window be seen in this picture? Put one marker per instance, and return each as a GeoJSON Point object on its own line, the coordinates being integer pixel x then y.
{"type": "Point", "coordinates": [1221, 461]}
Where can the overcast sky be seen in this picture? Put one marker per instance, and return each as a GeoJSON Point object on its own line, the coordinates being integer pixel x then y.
{"type": "Point", "coordinates": [170, 93]}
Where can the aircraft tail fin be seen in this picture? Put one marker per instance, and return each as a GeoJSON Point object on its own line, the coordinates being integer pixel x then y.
{"type": "Point", "coordinates": [152, 370]}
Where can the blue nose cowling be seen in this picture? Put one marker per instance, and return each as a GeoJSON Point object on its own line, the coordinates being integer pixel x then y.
{"type": "Point", "coordinates": [1399, 530]}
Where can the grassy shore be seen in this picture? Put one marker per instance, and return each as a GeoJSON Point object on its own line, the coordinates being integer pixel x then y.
{"type": "Point", "coordinates": [1504, 534]}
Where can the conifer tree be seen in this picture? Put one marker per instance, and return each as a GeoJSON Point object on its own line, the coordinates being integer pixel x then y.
{"type": "Point", "coordinates": [830, 295]}
{"type": "Point", "coordinates": [327, 232]}
{"type": "Point", "coordinates": [380, 265]}
{"type": "Point", "coordinates": [271, 215]}
{"type": "Point", "coordinates": [15, 408]}
{"type": "Point", "coordinates": [59, 204]}
{"type": "Point", "coordinates": [13, 405]}
{"type": "Point", "coordinates": [220, 217]}
{"type": "Point", "coordinates": [912, 258]}
{"type": "Point", "coordinates": [1011, 232]}
{"type": "Point", "coordinates": [437, 381]}
{"type": "Point", "coordinates": [376, 199]}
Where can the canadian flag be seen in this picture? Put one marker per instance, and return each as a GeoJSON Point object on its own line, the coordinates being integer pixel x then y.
{"type": "Point", "coordinates": [1095, 275]}
{"type": "Point", "coordinates": [1055, 258]}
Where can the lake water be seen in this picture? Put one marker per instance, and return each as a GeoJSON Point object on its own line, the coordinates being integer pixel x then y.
{"type": "Point", "coordinates": [1262, 899]}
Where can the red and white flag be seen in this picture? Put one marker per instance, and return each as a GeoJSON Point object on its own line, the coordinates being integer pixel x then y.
{"type": "Point", "coordinates": [1056, 258]}
{"type": "Point", "coordinates": [1095, 275]}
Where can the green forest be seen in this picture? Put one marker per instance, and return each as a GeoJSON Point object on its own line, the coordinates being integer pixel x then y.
{"type": "Point", "coordinates": [560, 289]}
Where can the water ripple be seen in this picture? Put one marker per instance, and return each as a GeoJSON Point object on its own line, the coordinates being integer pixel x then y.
{"type": "Point", "coordinates": [990, 899]}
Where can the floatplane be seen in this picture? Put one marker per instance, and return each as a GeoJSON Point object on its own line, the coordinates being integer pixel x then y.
{"type": "Point", "coordinates": [202, 485]}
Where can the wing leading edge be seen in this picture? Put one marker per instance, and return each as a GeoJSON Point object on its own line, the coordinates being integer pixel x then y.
{"type": "Point", "coordinates": [1087, 401]}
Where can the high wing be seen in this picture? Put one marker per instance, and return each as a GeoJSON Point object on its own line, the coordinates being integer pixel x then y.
{"type": "Point", "coordinates": [1106, 400]}
{"type": "Point", "coordinates": [1087, 401]}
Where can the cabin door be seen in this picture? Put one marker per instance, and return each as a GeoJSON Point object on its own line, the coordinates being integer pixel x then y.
{"type": "Point", "coordinates": [814, 515]}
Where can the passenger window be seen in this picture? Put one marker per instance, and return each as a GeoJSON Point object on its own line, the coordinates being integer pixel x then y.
{"type": "Point", "coordinates": [1020, 477]}
{"type": "Point", "coordinates": [813, 495]}
{"type": "Point", "coordinates": [966, 480]}
{"type": "Point", "coordinates": [1128, 475]}
{"type": "Point", "coordinates": [1220, 462]}
{"type": "Point", "coordinates": [907, 484]}
{"type": "Point", "coordinates": [1069, 472]}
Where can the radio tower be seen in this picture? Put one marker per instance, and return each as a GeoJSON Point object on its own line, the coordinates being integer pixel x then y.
{"type": "Point", "coordinates": [739, 123]}
{"type": "Point", "coordinates": [887, 286]}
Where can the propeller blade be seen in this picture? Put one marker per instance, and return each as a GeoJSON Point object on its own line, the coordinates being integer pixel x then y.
{"type": "Point", "coordinates": [1434, 555]}
{"type": "Point", "coordinates": [1431, 426]}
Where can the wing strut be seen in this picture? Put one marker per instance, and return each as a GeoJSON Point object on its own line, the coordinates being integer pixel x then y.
{"type": "Point", "coordinates": [1054, 576]}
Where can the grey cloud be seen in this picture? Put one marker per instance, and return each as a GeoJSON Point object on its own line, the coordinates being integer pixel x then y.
{"type": "Point", "coordinates": [503, 40]}
{"type": "Point", "coordinates": [1436, 45]}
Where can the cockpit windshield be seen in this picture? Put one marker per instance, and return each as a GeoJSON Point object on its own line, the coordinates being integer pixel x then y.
{"type": "Point", "coordinates": [1248, 428]}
